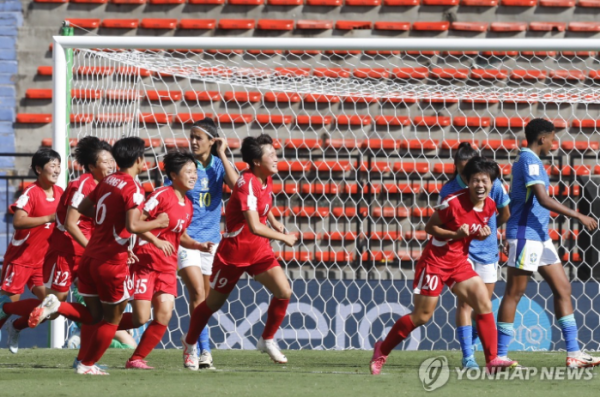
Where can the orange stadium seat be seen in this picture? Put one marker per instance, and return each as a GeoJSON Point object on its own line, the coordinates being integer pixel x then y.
{"type": "Point", "coordinates": [157, 118]}
{"type": "Point", "coordinates": [355, 119]}
{"type": "Point", "coordinates": [133, 71]}
{"type": "Point", "coordinates": [411, 73]}
{"type": "Point", "coordinates": [163, 95]}
{"type": "Point", "coordinates": [348, 212]}
{"type": "Point", "coordinates": [558, 3]}
{"type": "Point", "coordinates": [190, 118]}
{"type": "Point", "coordinates": [381, 167]}
{"type": "Point", "coordinates": [137, 2]}
{"type": "Point", "coordinates": [90, 1]}
{"type": "Point", "coordinates": [293, 72]}
{"type": "Point", "coordinates": [500, 53]}
{"type": "Point", "coordinates": [301, 143]}
{"type": "Point", "coordinates": [246, 2]}
{"type": "Point", "coordinates": [342, 53]}
{"type": "Point", "coordinates": [320, 188]}
{"type": "Point", "coordinates": [39, 93]}
{"type": "Point", "coordinates": [343, 143]}
{"type": "Point", "coordinates": [580, 145]}
{"type": "Point", "coordinates": [584, 27]}
{"type": "Point", "coordinates": [86, 23]}
{"type": "Point", "coordinates": [340, 236]}
{"type": "Point", "coordinates": [313, 120]}
{"type": "Point", "coordinates": [50, 1]}
{"type": "Point", "coordinates": [241, 24]}
{"type": "Point", "coordinates": [120, 23]}
{"type": "Point", "coordinates": [332, 72]}
{"type": "Point", "coordinates": [385, 144]}
{"type": "Point", "coordinates": [593, 74]}
{"type": "Point", "coordinates": [389, 212]}
{"type": "Point", "coordinates": [547, 26]}
{"type": "Point", "coordinates": [203, 96]}
{"type": "Point", "coordinates": [496, 144]}
{"type": "Point", "coordinates": [197, 24]}
{"type": "Point", "coordinates": [432, 187]}
{"type": "Point", "coordinates": [82, 118]}
{"type": "Point", "coordinates": [166, 1]}
{"type": "Point", "coordinates": [309, 212]}
{"type": "Point", "coordinates": [94, 70]}
{"type": "Point", "coordinates": [281, 97]}
{"type": "Point", "coordinates": [329, 3]}
{"type": "Point", "coordinates": [333, 256]}
{"type": "Point", "coordinates": [351, 25]}
{"type": "Point", "coordinates": [508, 26]}
{"type": "Point", "coordinates": [452, 144]}
{"type": "Point", "coordinates": [401, 3]}
{"type": "Point", "coordinates": [332, 166]}
{"type": "Point", "coordinates": [471, 121]}
{"type": "Point", "coordinates": [401, 188]}
{"type": "Point", "coordinates": [409, 167]}
{"type": "Point", "coordinates": [519, 3]}
{"type": "Point", "coordinates": [291, 3]}
{"type": "Point", "coordinates": [567, 75]}
{"type": "Point", "coordinates": [377, 73]}
{"type": "Point", "coordinates": [419, 212]}
{"type": "Point", "coordinates": [432, 121]}
{"type": "Point", "coordinates": [86, 94]}
{"type": "Point", "coordinates": [445, 3]}
{"type": "Point", "coordinates": [510, 122]}
{"type": "Point", "coordinates": [289, 256]}
{"type": "Point", "coordinates": [294, 166]}
{"type": "Point", "coordinates": [275, 24]}
{"type": "Point", "coordinates": [33, 118]}
{"type": "Point", "coordinates": [312, 98]}
{"type": "Point", "coordinates": [392, 120]}
{"type": "Point", "coordinates": [470, 26]}
{"type": "Point", "coordinates": [275, 119]}
{"type": "Point", "coordinates": [363, 3]}
{"type": "Point", "coordinates": [489, 74]}
{"type": "Point", "coordinates": [384, 25]}
{"type": "Point", "coordinates": [419, 144]}
{"type": "Point", "coordinates": [44, 70]}
{"type": "Point", "coordinates": [443, 168]}
{"type": "Point", "coordinates": [242, 97]}
{"type": "Point", "coordinates": [479, 3]}
{"type": "Point", "coordinates": [450, 73]}
{"type": "Point", "coordinates": [313, 24]}
{"type": "Point", "coordinates": [278, 211]}
{"type": "Point", "coordinates": [235, 118]}
{"type": "Point", "coordinates": [386, 235]}
{"type": "Point", "coordinates": [288, 188]}
{"type": "Point", "coordinates": [589, 3]}
{"type": "Point", "coordinates": [586, 123]}
{"type": "Point", "coordinates": [431, 26]}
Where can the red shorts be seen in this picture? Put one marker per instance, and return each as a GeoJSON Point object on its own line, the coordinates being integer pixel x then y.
{"type": "Point", "coordinates": [110, 282]}
{"type": "Point", "coordinates": [149, 282]}
{"type": "Point", "coordinates": [16, 277]}
{"type": "Point", "coordinates": [60, 270]}
{"type": "Point", "coordinates": [430, 279]}
{"type": "Point", "coordinates": [224, 277]}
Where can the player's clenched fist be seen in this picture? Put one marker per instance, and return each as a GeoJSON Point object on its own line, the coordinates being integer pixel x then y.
{"type": "Point", "coordinates": [163, 220]}
{"type": "Point", "coordinates": [462, 232]}
{"type": "Point", "coordinates": [484, 232]}
{"type": "Point", "coordinates": [290, 239]}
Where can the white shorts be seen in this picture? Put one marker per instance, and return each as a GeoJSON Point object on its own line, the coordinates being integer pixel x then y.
{"type": "Point", "coordinates": [487, 272]}
{"type": "Point", "coordinates": [204, 260]}
{"type": "Point", "coordinates": [529, 255]}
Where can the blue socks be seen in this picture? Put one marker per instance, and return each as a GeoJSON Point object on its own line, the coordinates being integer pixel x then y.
{"type": "Point", "coordinates": [569, 330]}
{"type": "Point", "coordinates": [475, 335]}
{"type": "Point", "coordinates": [204, 341]}
{"type": "Point", "coordinates": [465, 337]}
{"type": "Point", "coordinates": [505, 335]}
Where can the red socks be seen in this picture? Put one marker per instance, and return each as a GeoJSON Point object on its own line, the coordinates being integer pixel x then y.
{"type": "Point", "coordinates": [200, 317]}
{"type": "Point", "coordinates": [85, 336]}
{"type": "Point", "coordinates": [151, 337]}
{"type": "Point", "coordinates": [400, 331]}
{"type": "Point", "coordinates": [101, 341]}
{"type": "Point", "coordinates": [21, 323]}
{"type": "Point", "coordinates": [75, 312]}
{"type": "Point", "coordinates": [21, 308]}
{"type": "Point", "coordinates": [126, 322]}
{"type": "Point", "coordinates": [486, 327]}
{"type": "Point", "coordinates": [275, 316]}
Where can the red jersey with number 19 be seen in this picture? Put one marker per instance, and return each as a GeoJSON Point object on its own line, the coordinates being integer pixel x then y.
{"type": "Point", "coordinates": [240, 247]}
{"type": "Point", "coordinates": [457, 210]}
{"type": "Point", "coordinates": [180, 215]}
{"type": "Point", "coordinates": [28, 246]}
{"type": "Point", "coordinates": [114, 196]}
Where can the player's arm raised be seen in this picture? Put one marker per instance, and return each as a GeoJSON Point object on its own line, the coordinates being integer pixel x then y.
{"type": "Point", "coordinates": [434, 227]}
{"type": "Point", "coordinates": [231, 175]}
{"type": "Point", "coordinates": [189, 243]}
{"type": "Point", "coordinates": [539, 190]}
{"type": "Point", "coordinates": [259, 229]}
{"type": "Point", "coordinates": [72, 227]}
{"type": "Point", "coordinates": [22, 220]}
{"type": "Point", "coordinates": [134, 223]}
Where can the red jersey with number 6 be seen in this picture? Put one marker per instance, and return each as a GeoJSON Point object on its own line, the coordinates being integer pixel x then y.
{"type": "Point", "coordinates": [114, 196]}
{"type": "Point", "coordinates": [29, 246]}
{"type": "Point", "coordinates": [77, 190]}
{"type": "Point", "coordinates": [240, 246]}
{"type": "Point", "coordinates": [457, 210]}
{"type": "Point", "coordinates": [180, 215]}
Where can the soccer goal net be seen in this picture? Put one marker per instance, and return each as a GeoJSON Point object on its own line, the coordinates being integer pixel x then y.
{"type": "Point", "coordinates": [366, 130]}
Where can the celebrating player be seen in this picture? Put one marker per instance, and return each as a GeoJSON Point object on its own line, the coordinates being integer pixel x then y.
{"type": "Point", "coordinates": [104, 279]}
{"type": "Point", "coordinates": [530, 247]}
{"type": "Point", "coordinates": [460, 218]}
{"type": "Point", "coordinates": [33, 222]}
{"type": "Point", "coordinates": [245, 248]}
{"type": "Point", "coordinates": [195, 267]}
{"type": "Point", "coordinates": [483, 254]}
{"type": "Point", "coordinates": [155, 274]}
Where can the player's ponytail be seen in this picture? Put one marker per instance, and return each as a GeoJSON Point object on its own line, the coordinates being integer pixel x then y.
{"type": "Point", "coordinates": [252, 148]}
{"type": "Point", "coordinates": [208, 126]}
{"type": "Point", "coordinates": [464, 152]}
{"type": "Point", "coordinates": [88, 149]}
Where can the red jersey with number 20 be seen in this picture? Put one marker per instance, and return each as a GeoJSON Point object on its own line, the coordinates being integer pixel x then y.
{"type": "Point", "coordinates": [114, 196]}
{"type": "Point", "coordinates": [28, 246]}
{"type": "Point", "coordinates": [180, 215]}
{"type": "Point", "coordinates": [455, 211]}
{"type": "Point", "coordinates": [240, 247]}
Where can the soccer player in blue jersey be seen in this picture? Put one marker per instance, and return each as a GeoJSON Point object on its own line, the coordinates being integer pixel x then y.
{"type": "Point", "coordinates": [214, 168]}
{"type": "Point", "coordinates": [483, 254]}
{"type": "Point", "coordinates": [530, 247]}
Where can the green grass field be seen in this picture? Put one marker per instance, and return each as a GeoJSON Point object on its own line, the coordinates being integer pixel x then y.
{"type": "Point", "coordinates": [45, 372]}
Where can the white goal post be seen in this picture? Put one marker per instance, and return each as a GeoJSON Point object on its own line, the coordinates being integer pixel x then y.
{"type": "Point", "coordinates": [386, 136]}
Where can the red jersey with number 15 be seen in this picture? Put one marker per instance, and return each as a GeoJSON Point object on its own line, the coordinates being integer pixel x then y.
{"type": "Point", "coordinates": [114, 196]}
{"type": "Point", "coordinates": [180, 215]}
{"type": "Point", "coordinates": [77, 190]}
{"type": "Point", "coordinates": [29, 246]}
{"type": "Point", "coordinates": [240, 246]}
{"type": "Point", "coordinates": [455, 211]}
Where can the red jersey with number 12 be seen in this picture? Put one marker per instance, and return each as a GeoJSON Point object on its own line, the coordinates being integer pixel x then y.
{"type": "Point", "coordinates": [180, 215]}
{"type": "Point", "coordinates": [455, 211]}
{"type": "Point", "coordinates": [29, 246]}
{"type": "Point", "coordinates": [114, 196]}
{"type": "Point", "coordinates": [240, 246]}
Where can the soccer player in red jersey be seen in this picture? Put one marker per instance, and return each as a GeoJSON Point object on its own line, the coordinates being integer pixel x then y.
{"type": "Point", "coordinates": [155, 274]}
{"type": "Point", "coordinates": [459, 219]}
{"type": "Point", "coordinates": [245, 248]}
{"type": "Point", "coordinates": [104, 277]}
{"type": "Point", "coordinates": [33, 222]}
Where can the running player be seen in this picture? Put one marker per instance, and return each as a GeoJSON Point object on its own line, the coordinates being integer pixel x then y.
{"type": "Point", "coordinates": [245, 248]}
{"type": "Point", "coordinates": [483, 254]}
{"type": "Point", "coordinates": [104, 279]}
{"type": "Point", "coordinates": [155, 274]}
{"type": "Point", "coordinates": [460, 218]}
{"type": "Point", "coordinates": [33, 222]}
{"type": "Point", "coordinates": [195, 267]}
{"type": "Point", "coordinates": [530, 247]}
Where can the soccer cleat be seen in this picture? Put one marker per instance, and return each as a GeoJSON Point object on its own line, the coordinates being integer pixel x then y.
{"type": "Point", "coordinates": [206, 360]}
{"type": "Point", "coordinates": [583, 360]}
{"type": "Point", "coordinates": [49, 306]}
{"type": "Point", "coordinates": [76, 362]}
{"type": "Point", "coordinates": [13, 338]}
{"type": "Point", "coordinates": [137, 364]}
{"type": "Point", "coordinates": [89, 370]}
{"type": "Point", "coordinates": [3, 299]}
{"type": "Point", "coordinates": [501, 363]}
{"type": "Point", "coordinates": [190, 355]}
{"type": "Point", "coordinates": [469, 362]}
{"type": "Point", "coordinates": [270, 347]}
{"type": "Point", "coordinates": [378, 360]}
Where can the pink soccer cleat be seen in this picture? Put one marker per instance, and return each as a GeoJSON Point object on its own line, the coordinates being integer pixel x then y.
{"type": "Point", "coordinates": [499, 364]}
{"type": "Point", "coordinates": [378, 359]}
{"type": "Point", "coordinates": [137, 364]}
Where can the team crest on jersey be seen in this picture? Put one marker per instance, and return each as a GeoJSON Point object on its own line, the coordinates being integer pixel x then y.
{"type": "Point", "coordinates": [485, 219]}
{"type": "Point", "coordinates": [183, 254]}
{"type": "Point", "coordinates": [204, 184]}
{"type": "Point", "coordinates": [533, 258]}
